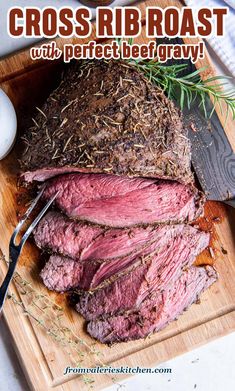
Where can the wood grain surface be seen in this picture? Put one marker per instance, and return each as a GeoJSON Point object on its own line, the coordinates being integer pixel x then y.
{"type": "Point", "coordinates": [44, 359]}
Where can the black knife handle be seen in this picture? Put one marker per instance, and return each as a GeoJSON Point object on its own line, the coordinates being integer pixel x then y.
{"type": "Point", "coordinates": [213, 158]}
{"type": "Point", "coordinates": [230, 203]}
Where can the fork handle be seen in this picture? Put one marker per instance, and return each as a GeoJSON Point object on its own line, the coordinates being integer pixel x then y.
{"type": "Point", "coordinates": [6, 282]}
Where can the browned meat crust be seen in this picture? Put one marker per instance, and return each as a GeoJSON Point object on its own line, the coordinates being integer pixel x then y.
{"type": "Point", "coordinates": [106, 117]}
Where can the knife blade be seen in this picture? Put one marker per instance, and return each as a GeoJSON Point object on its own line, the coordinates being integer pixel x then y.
{"type": "Point", "coordinates": [213, 157]}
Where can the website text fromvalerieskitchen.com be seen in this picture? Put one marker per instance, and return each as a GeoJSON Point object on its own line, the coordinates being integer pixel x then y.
{"type": "Point", "coordinates": [114, 370]}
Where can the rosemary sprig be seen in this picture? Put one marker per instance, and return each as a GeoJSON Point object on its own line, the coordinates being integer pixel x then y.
{"type": "Point", "coordinates": [185, 89]}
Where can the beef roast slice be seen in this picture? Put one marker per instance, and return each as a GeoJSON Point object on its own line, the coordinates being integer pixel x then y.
{"type": "Point", "coordinates": [117, 243]}
{"type": "Point", "coordinates": [122, 202]}
{"type": "Point", "coordinates": [61, 273]}
{"type": "Point", "coordinates": [165, 237]}
{"type": "Point", "coordinates": [156, 311]}
{"type": "Point", "coordinates": [79, 240]}
{"type": "Point", "coordinates": [155, 272]}
{"type": "Point", "coordinates": [108, 272]}
{"type": "Point", "coordinates": [57, 233]}
{"type": "Point", "coordinates": [90, 274]}
{"type": "Point", "coordinates": [106, 117]}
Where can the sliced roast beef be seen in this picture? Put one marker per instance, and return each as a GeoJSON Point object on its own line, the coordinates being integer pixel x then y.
{"type": "Point", "coordinates": [43, 174]}
{"type": "Point", "coordinates": [114, 150]}
{"type": "Point", "coordinates": [57, 233]}
{"type": "Point", "coordinates": [121, 202]}
{"type": "Point", "coordinates": [155, 272]}
{"type": "Point", "coordinates": [61, 274]}
{"type": "Point", "coordinates": [79, 240]}
{"type": "Point", "coordinates": [116, 243]}
{"type": "Point", "coordinates": [166, 237]}
{"type": "Point", "coordinates": [90, 274]}
{"type": "Point", "coordinates": [105, 116]}
{"type": "Point", "coordinates": [156, 311]}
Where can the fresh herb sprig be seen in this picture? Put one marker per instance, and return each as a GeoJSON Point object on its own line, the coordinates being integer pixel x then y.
{"type": "Point", "coordinates": [185, 89]}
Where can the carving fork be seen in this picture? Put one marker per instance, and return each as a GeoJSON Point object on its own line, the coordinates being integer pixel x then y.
{"type": "Point", "coordinates": [15, 249]}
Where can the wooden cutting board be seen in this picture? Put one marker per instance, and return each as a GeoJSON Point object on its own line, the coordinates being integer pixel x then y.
{"type": "Point", "coordinates": [45, 355]}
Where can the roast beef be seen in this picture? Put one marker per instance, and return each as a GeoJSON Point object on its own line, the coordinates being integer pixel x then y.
{"type": "Point", "coordinates": [106, 117]}
{"type": "Point", "coordinates": [82, 241]}
{"type": "Point", "coordinates": [113, 149]}
{"type": "Point", "coordinates": [57, 233]}
{"type": "Point", "coordinates": [122, 202]}
{"type": "Point", "coordinates": [156, 311]}
{"type": "Point", "coordinates": [91, 274]}
{"type": "Point", "coordinates": [155, 272]}
{"type": "Point", "coordinates": [61, 274]}
{"type": "Point", "coordinates": [167, 238]}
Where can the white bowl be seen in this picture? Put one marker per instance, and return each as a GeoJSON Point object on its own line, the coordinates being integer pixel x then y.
{"type": "Point", "coordinates": [8, 125]}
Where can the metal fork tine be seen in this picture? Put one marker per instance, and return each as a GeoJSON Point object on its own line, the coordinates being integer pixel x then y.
{"type": "Point", "coordinates": [33, 204]}
{"type": "Point", "coordinates": [15, 250]}
{"type": "Point", "coordinates": [36, 221]}
{"type": "Point", "coordinates": [26, 215]}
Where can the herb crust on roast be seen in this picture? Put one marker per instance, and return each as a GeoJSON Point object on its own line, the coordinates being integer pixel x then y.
{"type": "Point", "coordinates": [105, 116]}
